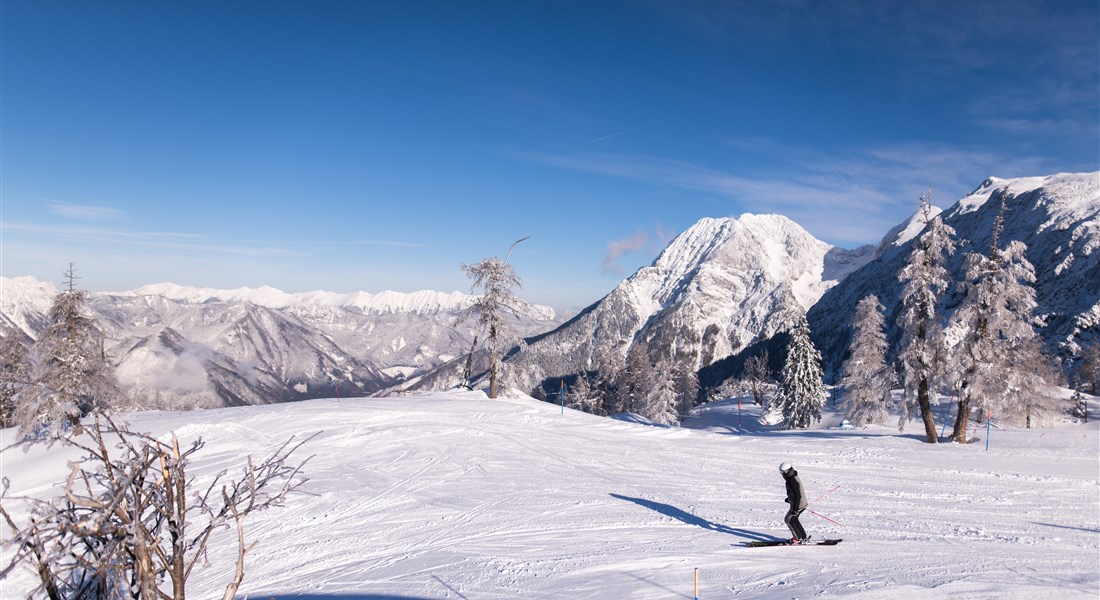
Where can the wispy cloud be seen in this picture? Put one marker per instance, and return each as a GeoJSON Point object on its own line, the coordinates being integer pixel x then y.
{"type": "Point", "coordinates": [162, 241]}
{"type": "Point", "coordinates": [847, 200]}
{"type": "Point", "coordinates": [390, 243]}
{"type": "Point", "coordinates": [83, 212]}
{"type": "Point", "coordinates": [616, 249]}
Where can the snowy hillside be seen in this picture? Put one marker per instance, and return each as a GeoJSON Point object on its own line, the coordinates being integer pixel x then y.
{"type": "Point", "coordinates": [453, 496]}
{"type": "Point", "coordinates": [181, 347]}
{"type": "Point", "coordinates": [1058, 217]}
{"type": "Point", "coordinates": [716, 288]}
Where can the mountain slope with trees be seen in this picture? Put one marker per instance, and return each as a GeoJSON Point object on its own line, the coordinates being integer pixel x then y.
{"type": "Point", "coordinates": [1057, 218]}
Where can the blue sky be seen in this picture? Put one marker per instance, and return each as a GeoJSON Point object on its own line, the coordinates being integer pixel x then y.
{"type": "Point", "coordinates": [369, 146]}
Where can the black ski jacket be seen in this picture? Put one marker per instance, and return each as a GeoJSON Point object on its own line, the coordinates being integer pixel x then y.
{"type": "Point", "coordinates": [795, 496]}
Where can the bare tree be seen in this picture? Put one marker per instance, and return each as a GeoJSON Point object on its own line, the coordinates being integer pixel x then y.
{"type": "Point", "coordinates": [495, 278]}
{"type": "Point", "coordinates": [133, 523]}
{"type": "Point", "coordinates": [757, 373]}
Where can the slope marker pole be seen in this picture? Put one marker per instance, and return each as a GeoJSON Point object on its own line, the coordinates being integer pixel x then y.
{"type": "Point", "coordinates": [696, 583]}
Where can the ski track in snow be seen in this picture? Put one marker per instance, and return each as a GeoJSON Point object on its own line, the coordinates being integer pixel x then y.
{"type": "Point", "coordinates": [452, 495]}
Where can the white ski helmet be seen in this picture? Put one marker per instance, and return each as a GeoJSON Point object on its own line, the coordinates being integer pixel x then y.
{"type": "Point", "coordinates": [784, 467]}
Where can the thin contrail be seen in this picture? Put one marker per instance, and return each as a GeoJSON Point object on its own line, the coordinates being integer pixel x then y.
{"type": "Point", "coordinates": [600, 139]}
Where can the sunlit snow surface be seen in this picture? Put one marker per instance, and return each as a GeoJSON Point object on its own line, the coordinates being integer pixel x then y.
{"type": "Point", "coordinates": [452, 495]}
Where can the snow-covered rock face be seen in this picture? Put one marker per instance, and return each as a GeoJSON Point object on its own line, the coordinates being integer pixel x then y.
{"type": "Point", "coordinates": [719, 286]}
{"type": "Point", "coordinates": [1057, 217]}
{"type": "Point", "coordinates": [24, 302]}
{"type": "Point", "coordinates": [183, 347]}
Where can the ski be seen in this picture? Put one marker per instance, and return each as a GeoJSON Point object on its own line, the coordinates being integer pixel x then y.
{"type": "Point", "coordinates": [787, 543]}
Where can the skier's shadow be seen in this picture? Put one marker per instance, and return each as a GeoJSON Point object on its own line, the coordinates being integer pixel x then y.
{"type": "Point", "coordinates": [686, 517]}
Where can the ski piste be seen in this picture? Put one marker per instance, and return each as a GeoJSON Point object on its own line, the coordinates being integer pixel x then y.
{"type": "Point", "coordinates": [788, 543]}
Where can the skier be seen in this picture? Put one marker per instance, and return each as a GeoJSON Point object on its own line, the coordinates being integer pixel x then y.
{"type": "Point", "coordinates": [796, 500]}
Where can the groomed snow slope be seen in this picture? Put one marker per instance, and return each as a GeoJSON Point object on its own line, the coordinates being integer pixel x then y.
{"type": "Point", "coordinates": [452, 495]}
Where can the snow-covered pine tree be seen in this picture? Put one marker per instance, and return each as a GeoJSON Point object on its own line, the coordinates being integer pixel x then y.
{"type": "Point", "coordinates": [801, 390]}
{"type": "Point", "coordinates": [583, 397]}
{"type": "Point", "coordinates": [756, 374]}
{"type": "Point", "coordinates": [661, 401]}
{"type": "Point", "coordinates": [15, 369]}
{"type": "Point", "coordinates": [865, 376]}
{"type": "Point", "coordinates": [999, 362]}
{"type": "Point", "coordinates": [687, 386]}
{"type": "Point", "coordinates": [71, 376]}
{"type": "Point", "coordinates": [1089, 371]}
{"type": "Point", "coordinates": [635, 381]}
{"type": "Point", "coordinates": [1079, 406]}
{"type": "Point", "coordinates": [609, 368]}
{"type": "Point", "coordinates": [922, 343]}
{"type": "Point", "coordinates": [495, 278]}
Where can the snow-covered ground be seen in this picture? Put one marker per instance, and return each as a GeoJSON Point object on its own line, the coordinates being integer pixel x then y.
{"type": "Point", "coordinates": [452, 495]}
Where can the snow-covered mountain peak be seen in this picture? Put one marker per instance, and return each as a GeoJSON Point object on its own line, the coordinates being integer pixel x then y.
{"type": "Point", "coordinates": [908, 229]}
{"type": "Point", "coordinates": [386, 302]}
{"type": "Point", "coordinates": [1074, 190]}
{"type": "Point", "coordinates": [772, 244]}
{"type": "Point", "coordinates": [721, 285]}
{"type": "Point", "coordinates": [262, 296]}
{"type": "Point", "coordinates": [24, 300]}
{"type": "Point", "coordinates": [696, 245]}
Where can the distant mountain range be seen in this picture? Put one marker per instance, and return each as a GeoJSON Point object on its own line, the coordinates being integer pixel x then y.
{"type": "Point", "coordinates": [719, 292]}
{"type": "Point", "coordinates": [178, 346]}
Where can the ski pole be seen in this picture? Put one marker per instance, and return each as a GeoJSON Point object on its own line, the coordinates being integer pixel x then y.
{"type": "Point", "coordinates": [696, 583]}
{"type": "Point", "coordinates": [814, 501]}
{"type": "Point", "coordinates": [824, 517]}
